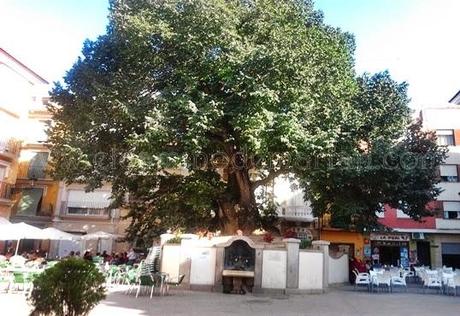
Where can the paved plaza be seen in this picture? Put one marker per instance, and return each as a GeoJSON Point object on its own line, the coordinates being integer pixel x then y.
{"type": "Point", "coordinates": [338, 301]}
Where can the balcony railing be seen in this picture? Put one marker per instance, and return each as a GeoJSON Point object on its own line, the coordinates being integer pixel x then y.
{"type": "Point", "coordinates": [34, 173]}
{"type": "Point", "coordinates": [300, 213]}
{"type": "Point", "coordinates": [5, 190]}
{"type": "Point", "coordinates": [447, 223]}
{"type": "Point", "coordinates": [10, 146]}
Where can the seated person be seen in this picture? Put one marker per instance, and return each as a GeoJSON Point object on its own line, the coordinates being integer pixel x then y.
{"type": "Point", "coordinates": [97, 258]}
{"type": "Point", "coordinates": [88, 256]}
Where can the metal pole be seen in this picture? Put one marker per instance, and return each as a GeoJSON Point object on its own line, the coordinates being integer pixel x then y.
{"type": "Point", "coordinates": [17, 247]}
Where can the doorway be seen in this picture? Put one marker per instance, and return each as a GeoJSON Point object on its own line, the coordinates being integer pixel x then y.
{"type": "Point", "coordinates": [389, 255]}
{"type": "Point", "coordinates": [423, 253]}
{"type": "Point", "coordinates": [451, 255]}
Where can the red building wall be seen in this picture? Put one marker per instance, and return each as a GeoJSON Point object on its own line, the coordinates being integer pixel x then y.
{"type": "Point", "coordinates": [391, 220]}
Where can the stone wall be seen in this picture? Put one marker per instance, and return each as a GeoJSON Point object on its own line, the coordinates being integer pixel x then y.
{"type": "Point", "coordinates": [311, 271]}
{"type": "Point", "coordinates": [338, 269]}
{"type": "Point", "coordinates": [280, 267]}
{"type": "Point", "coordinates": [274, 269]}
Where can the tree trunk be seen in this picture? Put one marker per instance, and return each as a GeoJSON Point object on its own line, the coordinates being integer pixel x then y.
{"type": "Point", "coordinates": [228, 218]}
{"type": "Point", "coordinates": [240, 211]}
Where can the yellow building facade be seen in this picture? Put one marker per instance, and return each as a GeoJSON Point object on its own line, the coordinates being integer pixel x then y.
{"type": "Point", "coordinates": [352, 243]}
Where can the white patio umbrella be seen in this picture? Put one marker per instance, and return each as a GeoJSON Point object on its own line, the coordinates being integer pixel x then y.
{"type": "Point", "coordinates": [20, 231]}
{"type": "Point", "coordinates": [56, 234]}
{"type": "Point", "coordinates": [4, 221]}
{"type": "Point", "coordinates": [98, 236]}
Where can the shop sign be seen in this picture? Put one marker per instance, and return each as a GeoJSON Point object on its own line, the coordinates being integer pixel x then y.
{"type": "Point", "coordinates": [367, 250]}
{"type": "Point", "coordinates": [390, 237]}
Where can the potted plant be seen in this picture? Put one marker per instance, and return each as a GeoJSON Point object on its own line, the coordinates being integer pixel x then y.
{"type": "Point", "coordinates": [72, 287]}
{"type": "Point", "coordinates": [305, 243]}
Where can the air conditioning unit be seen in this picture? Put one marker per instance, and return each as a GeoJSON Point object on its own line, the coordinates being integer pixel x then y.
{"type": "Point", "coordinates": [419, 236]}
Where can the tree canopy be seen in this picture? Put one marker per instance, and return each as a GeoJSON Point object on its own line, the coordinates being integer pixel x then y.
{"type": "Point", "coordinates": [191, 106]}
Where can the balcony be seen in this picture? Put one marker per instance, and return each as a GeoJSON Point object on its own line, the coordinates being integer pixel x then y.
{"type": "Point", "coordinates": [446, 224]}
{"type": "Point", "coordinates": [5, 190]}
{"type": "Point", "coordinates": [33, 173]}
{"type": "Point", "coordinates": [10, 147]}
{"type": "Point", "coordinates": [300, 213]}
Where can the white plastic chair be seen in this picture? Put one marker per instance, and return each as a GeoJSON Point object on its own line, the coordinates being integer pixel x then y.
{"type": "Point", "coordinates": [397, 281]}
{"type": "Point", "coordinates": [447, 278]}
{"type": "Point", "coordinates": [453, 283]}
{"type": "Point", "coordinates": [432, 280]}
{"type": "Point", "coordinates": [407, 273]}
{"type": "Point", "coordinates": [362, 279]}
{"type": "Point", "coordinates": [382, 279]}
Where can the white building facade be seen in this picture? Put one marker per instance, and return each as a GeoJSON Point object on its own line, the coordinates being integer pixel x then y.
{"type": "Point", "coordinates": [445, 239]}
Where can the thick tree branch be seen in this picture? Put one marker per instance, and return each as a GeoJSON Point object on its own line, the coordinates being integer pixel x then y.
{"type": "Point", "coordinates": [270, 177]}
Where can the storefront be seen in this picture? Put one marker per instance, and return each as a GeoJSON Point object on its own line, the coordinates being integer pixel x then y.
{"type": "Point", "coordinates": [450, 254]}
{"type": "Point", "coordinates": [445, 250]}
{"type": "Point", "coordinates": [390, 249]}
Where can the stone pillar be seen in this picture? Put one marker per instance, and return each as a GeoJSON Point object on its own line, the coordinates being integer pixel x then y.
{"type": "Point", "coordinates": [258, 270]}
{"type": "Point", "coordinates": [323, 246]}
{"type": "Point", "coordinates": [292, 268]}
{"type": "Point", "coordinates": [218, 286]}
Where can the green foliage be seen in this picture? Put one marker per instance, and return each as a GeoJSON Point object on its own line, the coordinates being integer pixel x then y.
{"type": "Point", "coordinates": [72, 287]}
{"type": "Point", "coordinates": [305, 243]}
{"type": "Point", "coordinates": [402, 174]}
{"type": "Point", "coordinates": [228, 94]}
{"type": "Point", "coordinates": [175, 240]}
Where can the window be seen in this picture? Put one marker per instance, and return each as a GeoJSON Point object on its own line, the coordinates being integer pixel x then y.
{"type": "Point", "coordinates": [445, 137]}
{"type": "Point", "coordinates": [87, 211]}
{"type": "Point", "coordinates": [84, 203]}
{"type": "Point", "coordinates": [30, 201]}
{"type": "Point", "coordinates": [37, 165]}
{"type": "Point", "coordinates": [451, 210]}
{"type": "Point", "coordinates": [449, 173]}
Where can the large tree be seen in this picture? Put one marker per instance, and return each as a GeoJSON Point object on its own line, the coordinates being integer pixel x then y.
{"type": "Point", "coordinates": [191, 106]}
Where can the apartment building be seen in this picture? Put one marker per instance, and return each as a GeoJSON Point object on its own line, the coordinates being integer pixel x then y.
{"type": "Point", "coordinates": [436, 240]}
{"type": "Point", "coordinates": [27, 191]}
{"type": "Point", "coordinates": [23, 92]}
{"type": "Point", "coordinates": [294, 213]}
{"type": "Point", "coordinates": [446, 239]}
{"type": "Point", "coordinates": [80, 212]}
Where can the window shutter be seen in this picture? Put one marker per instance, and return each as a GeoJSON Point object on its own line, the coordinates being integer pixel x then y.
{"type": "Point", "coordinates": [82, 199]}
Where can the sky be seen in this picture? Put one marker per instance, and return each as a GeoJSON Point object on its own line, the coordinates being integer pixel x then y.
{"type": "Point", "coordinates": [416, 40]}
